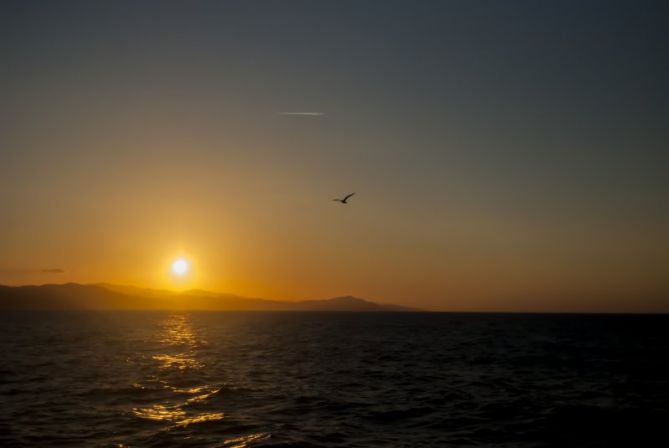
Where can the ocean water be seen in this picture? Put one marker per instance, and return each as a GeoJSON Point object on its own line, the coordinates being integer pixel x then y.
{"type": "Point", "coordinates": [161, 379]}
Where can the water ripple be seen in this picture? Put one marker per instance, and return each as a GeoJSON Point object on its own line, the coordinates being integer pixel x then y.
{"type": "Point", "coordinates": [315, 380]}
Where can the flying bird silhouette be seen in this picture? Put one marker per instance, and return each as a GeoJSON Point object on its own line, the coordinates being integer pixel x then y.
{"type": "Point", "coordinates": [344, 201]}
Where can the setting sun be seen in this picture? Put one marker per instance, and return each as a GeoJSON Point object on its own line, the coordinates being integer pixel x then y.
{"type": "Point", "coordinates": [180, 267]}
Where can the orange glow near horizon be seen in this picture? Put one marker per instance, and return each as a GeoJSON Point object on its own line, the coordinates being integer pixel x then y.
{"type": "Point", "coordinates": [289, 260]}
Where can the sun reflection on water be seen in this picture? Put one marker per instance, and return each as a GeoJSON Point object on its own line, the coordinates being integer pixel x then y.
{"type": "Point", "coordinates": [244, 441]}
{"type": "Point", "coordinates": [159, 412]}
{"type": "Point", "coordinates": [175, 367]}
{"type": "Point", "coordinates": [180, 362]}
{"type": "Point", "coordinates": [181, 342]}
{"type": "Point", "coordinates": [205, 417]}
{"type": "Point", "coordinates": [177, 330]}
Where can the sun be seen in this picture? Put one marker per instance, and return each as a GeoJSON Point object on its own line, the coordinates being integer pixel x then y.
{"type": "Point", "coordinates": [180, 267]}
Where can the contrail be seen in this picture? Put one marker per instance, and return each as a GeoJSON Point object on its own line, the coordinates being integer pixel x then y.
{"type": "Point", "coordinates": [304, 114]}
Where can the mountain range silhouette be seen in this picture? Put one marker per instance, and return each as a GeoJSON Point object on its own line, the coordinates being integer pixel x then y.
{"type": "Point", "coordinates": [74, 296]}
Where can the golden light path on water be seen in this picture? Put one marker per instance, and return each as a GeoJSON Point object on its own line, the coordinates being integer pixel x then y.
{"type": "Point", "coordinates": [180, 342]}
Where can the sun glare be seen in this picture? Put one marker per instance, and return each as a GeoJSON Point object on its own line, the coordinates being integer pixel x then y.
{"type": "Point", "coordinates": [180, 267]}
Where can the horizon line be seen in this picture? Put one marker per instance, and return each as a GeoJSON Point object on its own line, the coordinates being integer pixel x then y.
{"type": "Point", "coordinates": [407, 307]}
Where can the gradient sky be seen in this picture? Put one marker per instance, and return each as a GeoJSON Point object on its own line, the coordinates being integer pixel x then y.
{"type": "Point", "coordinates": [507, 155]}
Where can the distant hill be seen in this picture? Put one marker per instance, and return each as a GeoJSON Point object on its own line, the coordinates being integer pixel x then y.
{"type": "Point", "coordinates": [74, 296]}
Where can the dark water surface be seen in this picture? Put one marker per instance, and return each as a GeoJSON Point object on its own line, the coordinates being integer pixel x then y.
{"type": "Point", "coordinates": [150, 379]}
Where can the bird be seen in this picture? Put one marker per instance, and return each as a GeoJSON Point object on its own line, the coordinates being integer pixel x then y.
{"type": "Point", "coordinates": [344, 201]}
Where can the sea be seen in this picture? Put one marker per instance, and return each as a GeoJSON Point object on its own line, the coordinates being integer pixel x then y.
{"type": "Point", "coordinates": [301, 379]}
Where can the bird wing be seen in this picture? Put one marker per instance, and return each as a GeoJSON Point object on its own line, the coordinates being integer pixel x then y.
{"type": "Point", "coordinates": [348, 196]}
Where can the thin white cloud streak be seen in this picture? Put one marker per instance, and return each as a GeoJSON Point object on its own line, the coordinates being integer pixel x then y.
{"type": "Point", "coordinates": [303, 114]}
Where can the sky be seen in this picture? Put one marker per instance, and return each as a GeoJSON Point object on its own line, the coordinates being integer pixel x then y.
{"type": "Point", "coordinates": [506, 156]}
